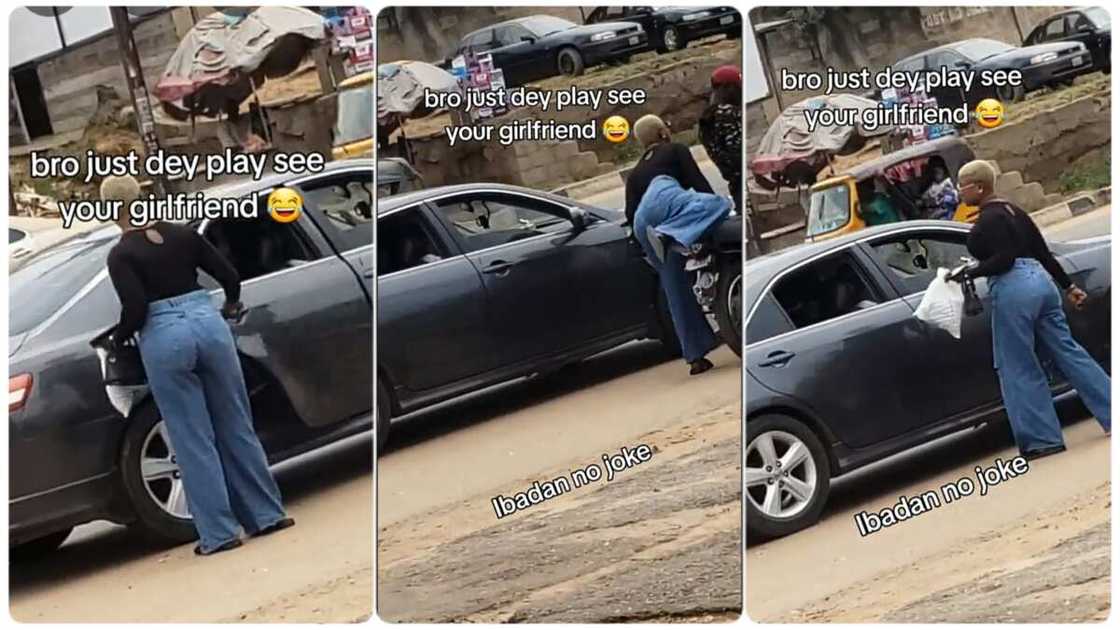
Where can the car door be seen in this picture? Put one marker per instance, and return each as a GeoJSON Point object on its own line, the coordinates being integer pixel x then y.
{"type": "Point", "coordinates": [1079, 28]}
{"type": "Point", "coordinates": [855, 354]}
{"type": "Point", "coordinates": [551, 285]}
{"type": "Point", "coordinates": [431, 306]}
{"type": "Point", "coordinates": [308, 323]}
{"type": "Point", "coordinates": [960, 371]}
{"type": "Point", "coordinates": [515, 53]}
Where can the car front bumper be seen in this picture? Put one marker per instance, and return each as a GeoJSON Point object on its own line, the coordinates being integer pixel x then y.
{"type": "Point", "coordinates": [1065, 67]}
{"type": "Point", "coordinates": [714, 25]}
{"type": "Point", "coordinates": [598, 52]}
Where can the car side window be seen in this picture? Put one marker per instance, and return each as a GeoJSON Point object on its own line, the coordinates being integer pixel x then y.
{"type": "Point", "coordinates": [1055, 29]}
{"type": "Point", "coordinates": [347, 203]}
{"type": "Point", "coordinates": [489, 220]}
{"type": "Point", "coordinates": [1077, 22]}
{"type": "Point", "coordinates": [911, 65]}
{"type": "Point", "coordinates": [944, 58]}
{"type": "Point", "coordinates": [479, 42]}
{"type": "Point", "coordinates": [825, 289]}
{"type": "Point", "coordinates": [768, 320]}
{"type": "Point", "coordinates": [405, 241]}
{"type": "Point", "coordinates": [615, 13]}
{"type": "Point", "coordinates": [914, 260]}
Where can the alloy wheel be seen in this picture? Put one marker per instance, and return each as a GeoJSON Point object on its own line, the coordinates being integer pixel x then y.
{"type": "Point", "coordinates": [670, 39]}
{"type": "Point", "coordinates": [735, 300]}
{"type": "Point", "coordinates": [162, 477]}
{"type": "Point", "coordinates": [780, 476]}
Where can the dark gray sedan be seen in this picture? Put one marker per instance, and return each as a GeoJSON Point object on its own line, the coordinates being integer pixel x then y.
{"type": "Point", "coordinates": [305, 344]}
{"type": "Point", "coordinates": [483, 283]}
{"type": "Point", "coordinates": [841, 374]}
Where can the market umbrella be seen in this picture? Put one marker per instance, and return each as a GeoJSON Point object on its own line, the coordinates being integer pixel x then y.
{"type": "Point", "coordinates": [401, 86]}
{"type": "Point", "coordinates": [791, 154]}
{"type": "Point", "coordinates": [228, 53]}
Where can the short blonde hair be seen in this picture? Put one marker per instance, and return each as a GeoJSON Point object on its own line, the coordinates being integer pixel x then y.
{"type": "Point", "coordinates": [123, 188]}
{"type": "Point", "coordinates": [650, 129]}
{"type": "Point", "coordinates": [978, 172]}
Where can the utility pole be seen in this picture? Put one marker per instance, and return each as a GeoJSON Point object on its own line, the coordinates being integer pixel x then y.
{"type": "Point", "coordinates": [138, 91]}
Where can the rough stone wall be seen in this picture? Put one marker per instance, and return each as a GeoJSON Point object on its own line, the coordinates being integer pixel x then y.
{"type": "Point", "coordinates": [69, 79]}
{"type": "Point", "coordinates": [1042, 146]}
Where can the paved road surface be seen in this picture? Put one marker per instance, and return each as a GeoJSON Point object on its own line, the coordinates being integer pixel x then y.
{"type": "Point", "coordinates": [829, 573]}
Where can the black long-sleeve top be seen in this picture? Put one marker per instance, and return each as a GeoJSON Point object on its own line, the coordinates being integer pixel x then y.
{"type": "Point", "coordinates": [1003, 233]}
{"type": "Point", "coordinates": [673, 159]}
{"type": "Point", "coordinates": [143, 271]}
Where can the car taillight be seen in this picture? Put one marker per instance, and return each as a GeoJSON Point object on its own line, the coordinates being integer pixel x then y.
{"type": "Point", "coordinates": [19, 388]}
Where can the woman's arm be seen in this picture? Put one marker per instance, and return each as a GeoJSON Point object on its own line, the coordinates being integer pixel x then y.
{"type": "Point", "coordinates": [130, 290]}
{"type": "Point", "coordinates": [212, 262]}
{"type": "Point", "coordinates": [691, 177]}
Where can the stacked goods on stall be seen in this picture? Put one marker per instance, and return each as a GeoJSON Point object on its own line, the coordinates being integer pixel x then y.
{"type": "Point", "coordinates": [351, 38]}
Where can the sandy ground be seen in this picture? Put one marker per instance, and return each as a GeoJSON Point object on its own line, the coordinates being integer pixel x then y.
{"type": "Point", "coordinates": [660, 541]}
{"type": "Point", "coordinates": [318, 571]}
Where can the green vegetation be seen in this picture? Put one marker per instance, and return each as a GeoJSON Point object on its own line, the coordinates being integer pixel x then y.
{"type": "Point", "coordinates": [1088, 173]}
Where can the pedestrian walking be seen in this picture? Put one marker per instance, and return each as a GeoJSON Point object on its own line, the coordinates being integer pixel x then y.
{"type": "Point", "coordinates": [1026, 285]}
{"type": "Point", "coordinates": [667, 194]}
{"type": "Point", "coordinates": [194, 372]}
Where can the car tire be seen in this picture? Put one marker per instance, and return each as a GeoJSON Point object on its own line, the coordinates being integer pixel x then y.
{"type": "Point", "coordinates": [146, 439]}
{"type": "Point", "coordinates": [384, 411]}
{"type": "Point", "coordinates": [1010, 93]}
{"type": "Point", "coordinates": [671, 39]}
{"type": "Point", "coordinates": [729, 302]}
{"type": "Point", "coordinates": [670, 343]}
{"type": "Point", "coordinates": [784, 434]}
{"type": "Point", "coordinates": [569, 61]}
{"type": "Point", "coordinates": [33, 550]}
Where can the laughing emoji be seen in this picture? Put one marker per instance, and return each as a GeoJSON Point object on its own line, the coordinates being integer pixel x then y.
{"type": "Point", "coordinates": [284, 205]}
{"type": "Point", "coordinates": [616, 129]}
{"type": "Point", "coordinates": [989, 113]}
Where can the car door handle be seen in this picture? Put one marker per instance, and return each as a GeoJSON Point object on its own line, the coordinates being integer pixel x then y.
{"type": "Point", "coordinates": [777, 359]}
{"type": "Point", "coordinates": [500, 267]}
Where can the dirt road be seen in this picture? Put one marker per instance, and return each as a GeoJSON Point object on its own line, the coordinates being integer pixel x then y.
{"type": "Point", "coordinates": [660, 541]}
{"type": "Point", "coordinates": [1035, 549]}
{"type": "Point", "coordinates": [318, 571]}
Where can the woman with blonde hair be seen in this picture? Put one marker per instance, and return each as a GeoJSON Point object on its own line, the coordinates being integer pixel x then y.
{"type": "Point", "coordinates": [193, 371]}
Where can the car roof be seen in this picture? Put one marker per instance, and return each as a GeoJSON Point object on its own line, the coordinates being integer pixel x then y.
{"type": "Point", "coordinates": [417, 196]}
{"type": "Point", "coordinates": [513, 21]}
{"type": "Point", "coordinates": [249, 186]}
{"type": "Point", "coordinates": [929, 148]}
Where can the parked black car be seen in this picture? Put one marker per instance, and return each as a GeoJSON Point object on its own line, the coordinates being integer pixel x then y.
{"type": "Point", "coordinates": [841, 374]}
{"type": "Point", "coordinates": [1042, 65]}
{"type": "Point", "coordinates": [541, 46]}
{"type": "Point", "coordinates": [1091, 26]}
{"type": "Point", "coordinates": [478, 284]}
{"type": "Point", "coordinates": [305, 344]}
{"type": "Point", "coordinates": [672, 28]}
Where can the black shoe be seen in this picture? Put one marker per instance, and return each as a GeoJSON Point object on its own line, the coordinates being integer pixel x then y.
{"type": "Point", "coordinates": [1043, 452]}
{"type": "Point", "coordinates": [699, 366]}
{"type": "Point", "coordinates": [226, 546]}
{"type": "Point", "coordinates": [283, 523]}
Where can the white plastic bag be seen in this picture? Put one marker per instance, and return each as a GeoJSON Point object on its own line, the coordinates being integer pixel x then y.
{"type": "Point", "coordinates": [943, 304]}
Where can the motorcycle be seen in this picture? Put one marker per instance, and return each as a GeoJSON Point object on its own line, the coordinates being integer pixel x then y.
{"type": "Point", "coordinates": [716, 265]}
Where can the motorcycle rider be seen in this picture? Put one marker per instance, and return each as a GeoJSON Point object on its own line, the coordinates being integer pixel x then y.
{"type": "Point", "coordinates": [721, 129]}
{"type": "Point", "coordinates": [667, 197]}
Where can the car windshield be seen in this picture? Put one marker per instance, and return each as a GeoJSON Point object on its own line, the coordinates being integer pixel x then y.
{"type": "Point", "coordinates": [355, 115]}
{"type": "Point", "coordinates": [978, 49]}
{"type": "Point", "coordinates": [544, 25]}
{"type": "Point", "coordinates": [828, 209]}
{"type": "Point", "coordinates": [47, 281]}
{"type": "Point", "coordinates": [1099, 17]}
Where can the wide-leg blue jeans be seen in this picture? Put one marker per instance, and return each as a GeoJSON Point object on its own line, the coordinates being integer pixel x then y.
{"type": "Point", "coordinates": [1027, 316]}
{"type": "Point", "coordinates": [196, 380]}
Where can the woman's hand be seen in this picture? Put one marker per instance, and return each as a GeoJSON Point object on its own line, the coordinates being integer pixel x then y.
{"type": "Point", "coordinates": [1076, 296]}
{"type": "Point", "coordinates": [232, 310]}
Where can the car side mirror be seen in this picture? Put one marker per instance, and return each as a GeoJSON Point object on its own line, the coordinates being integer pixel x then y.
{"type": "Point", "coordinates": [963, 64]}
{"type": "Point", "coordinates": [579, 219]}
{"type": "Point", "coordinates": [528, 40]}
